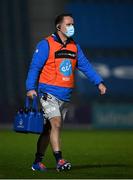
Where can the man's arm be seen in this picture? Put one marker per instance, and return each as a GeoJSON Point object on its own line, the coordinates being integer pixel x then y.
{"type": "Point", "coordinates": [39, 58]}
{"type": "Point", "coordinates": [85, 66]}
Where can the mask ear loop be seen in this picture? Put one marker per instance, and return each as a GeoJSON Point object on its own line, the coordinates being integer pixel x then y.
{"type": "Point", "coordinates": [58, 27]}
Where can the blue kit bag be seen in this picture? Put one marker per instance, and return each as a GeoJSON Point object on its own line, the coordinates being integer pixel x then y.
{"type": "Point", "coordinates": [29, 119]}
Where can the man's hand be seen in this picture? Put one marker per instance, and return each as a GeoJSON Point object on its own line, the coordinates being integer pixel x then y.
{"type": "Point", "coordinates": [102, 88]}
{"type": "Point", "coordinates": [31, 93]}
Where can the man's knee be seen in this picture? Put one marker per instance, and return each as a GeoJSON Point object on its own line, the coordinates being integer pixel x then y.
{"type": "Point", "coordinates": [55, 122]}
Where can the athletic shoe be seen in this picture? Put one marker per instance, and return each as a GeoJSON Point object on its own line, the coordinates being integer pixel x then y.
{"type": "Point", "coordinates": [38, 167]}
{"type": "Point", "coordinates": [63, 165]}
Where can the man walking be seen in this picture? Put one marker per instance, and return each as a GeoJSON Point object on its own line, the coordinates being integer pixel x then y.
{"type": "Point", "coordinates": [52, 73]}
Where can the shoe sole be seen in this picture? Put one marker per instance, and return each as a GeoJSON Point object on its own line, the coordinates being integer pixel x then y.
{"type": "Point", "coordinates": [32, 168]}
{"type": "Point", "coordinates": [37, 169]}
{"type": "Point", "coordinates": [65, 168]}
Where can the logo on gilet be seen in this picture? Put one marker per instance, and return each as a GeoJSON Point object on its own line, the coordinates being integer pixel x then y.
{"type": "Point", "coordinates": [66, 67]}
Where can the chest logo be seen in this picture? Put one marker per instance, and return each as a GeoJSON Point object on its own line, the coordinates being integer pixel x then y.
{"type": "Point", "coordinates": [66, 67]}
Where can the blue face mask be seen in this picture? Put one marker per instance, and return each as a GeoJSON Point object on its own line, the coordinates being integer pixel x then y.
{"type": "Point", "coordinates": [69, 31]}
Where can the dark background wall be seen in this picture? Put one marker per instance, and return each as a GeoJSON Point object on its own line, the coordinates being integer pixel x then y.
{"type": "Point", "coordinates": [15, 49]}
{"type": "Point", "coordinates": [23, 24]}
{"type": "Point", "coordinates": [104, 31]}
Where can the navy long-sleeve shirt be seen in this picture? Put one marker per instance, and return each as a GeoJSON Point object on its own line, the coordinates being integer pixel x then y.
{"type": "Point", "coordinates": [39, 59]}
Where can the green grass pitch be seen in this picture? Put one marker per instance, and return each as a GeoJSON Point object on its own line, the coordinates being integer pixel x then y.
{"type": "Point", "coordinates": [93, 154]}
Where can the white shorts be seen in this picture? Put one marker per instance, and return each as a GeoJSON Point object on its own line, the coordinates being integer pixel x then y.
{"type": "Point", "coordinates": [53, 107]}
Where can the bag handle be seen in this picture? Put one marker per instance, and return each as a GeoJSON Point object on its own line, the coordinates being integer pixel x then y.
{"type": "Point", "coordinates": [34, 103]}
{"type": "Point", "coordinates": [27, 102]}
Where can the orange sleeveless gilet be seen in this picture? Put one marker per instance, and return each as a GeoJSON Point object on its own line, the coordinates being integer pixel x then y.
{"type": "Point", "coordinates": [60, 65]}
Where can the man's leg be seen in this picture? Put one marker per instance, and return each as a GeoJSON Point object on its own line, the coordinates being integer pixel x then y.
{"type": "Point", "coordinates": [56, 124]}
{"type": "Point", "coordinates": [42, 145]}
{"type": "Point", "coordinates": [55, 133]}
{"type": "Point", "coordinates": [55, 139]}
